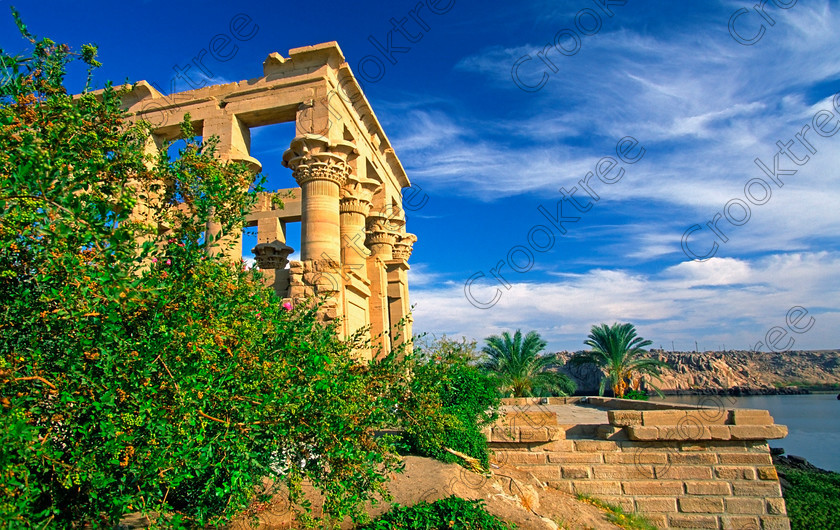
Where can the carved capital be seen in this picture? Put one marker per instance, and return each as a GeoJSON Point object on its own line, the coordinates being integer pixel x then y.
{"type": "Point", "coordinates": [387, 218]}
{"type": "Point", "coordinates": [312, 157]}
{"type": "Point", "coordinates": [403, 246]}
{"type": "Point", "coordinates": [359, 187]}
{"type": "Point", "coordinates": [274, 255]}
{"type": "Point", "coordinates": [380, 237]}
{"type": "Point", "coordinates": [253, 165]}
{"type": "Point", "coordinates": [354, 205]}
{"type": "Point", "coordinates": [324, 166]}
{"type": "Point", "coordinates": [377, 222]}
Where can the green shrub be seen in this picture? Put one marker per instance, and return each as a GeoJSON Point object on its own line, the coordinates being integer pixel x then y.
{"type": "Point", "coordinates": [640, 395]}
{"type": "Point", "coordinates": [451, 513]}
{"type": "Point", "coordinates": [137, 371]}
{"type": "Point", "coordinates": [450, 401]}
{"type": "Point", "coordinates": [812, 499]}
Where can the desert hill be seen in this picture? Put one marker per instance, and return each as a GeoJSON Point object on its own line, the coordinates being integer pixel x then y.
{"type": "Point", "coordinates": [736, 372]}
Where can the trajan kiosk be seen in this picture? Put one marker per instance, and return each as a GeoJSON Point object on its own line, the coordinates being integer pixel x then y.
{"type": "Point", "coordinates": [354, 246]}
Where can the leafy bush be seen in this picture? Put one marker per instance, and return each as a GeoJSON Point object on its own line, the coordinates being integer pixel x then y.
{"type": "Point", "coordinates": [444, 514]}
{"type": "Point", "coordinates": [812, 499]}
{"type": "Point", "coordinates": [640, 395]}
{"type": "Point", "coordinates": [138, 372]}
{"type": "Point", "coordinates": [450, 401]}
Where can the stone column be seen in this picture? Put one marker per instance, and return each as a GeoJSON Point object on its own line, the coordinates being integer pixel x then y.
{"type": "Point", "coordinates": [234, 146]}
{"type": "Point", "coordinates": [320, 169]}
{"type": "Point", "coordinates": [398, 304]}
{"type": "Point", "coordinates": [380, 240]}
{"type": "Point", "coordinates": [356, 198]}
{"type": "Point", "coordinates": [149, 196]}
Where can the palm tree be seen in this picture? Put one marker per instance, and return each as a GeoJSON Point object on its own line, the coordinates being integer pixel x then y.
{"type": "Point", "coordinates": [520, 369]}
{"type": "Point", "coordinates": [617, 351]}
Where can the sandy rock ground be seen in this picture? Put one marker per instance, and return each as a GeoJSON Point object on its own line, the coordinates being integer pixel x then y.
{"type": "Point", "coordinates": [509, 493]}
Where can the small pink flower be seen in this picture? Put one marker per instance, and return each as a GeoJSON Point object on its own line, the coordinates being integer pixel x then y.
{"type": "Point", "coordinates": [287, 306]}
{"type": "Point", "coordinates": [154, 260]}
{"type": "Point", "coordinates": [169, 262]}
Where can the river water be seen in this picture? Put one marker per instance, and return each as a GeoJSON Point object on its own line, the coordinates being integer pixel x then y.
{"type": "Point", "coordinates": [813, 422]}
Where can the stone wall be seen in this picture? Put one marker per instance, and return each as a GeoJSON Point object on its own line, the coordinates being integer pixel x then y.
{"type": "Point", "coordinates": [313, 278]}
{"type": "Point", "coordinates": [681, 466]}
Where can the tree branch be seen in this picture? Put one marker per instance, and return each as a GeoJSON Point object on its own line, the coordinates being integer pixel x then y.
{"type": "Point", "coordinates": [35, 377]}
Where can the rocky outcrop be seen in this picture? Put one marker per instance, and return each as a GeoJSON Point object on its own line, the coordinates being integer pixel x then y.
{"type": "Point", "coordinates": [733, 372]}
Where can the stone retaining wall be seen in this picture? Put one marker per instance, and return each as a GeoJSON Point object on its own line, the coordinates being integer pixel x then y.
{"type": "Point", "coordinates": [681, 466]}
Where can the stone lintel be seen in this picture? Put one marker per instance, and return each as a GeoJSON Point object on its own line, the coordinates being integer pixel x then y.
{"type": "Point", "coordinates": [289, 213]}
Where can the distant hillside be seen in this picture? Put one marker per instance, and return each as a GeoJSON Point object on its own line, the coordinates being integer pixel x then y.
{"type": "Point", "coordinates": [737, 372]}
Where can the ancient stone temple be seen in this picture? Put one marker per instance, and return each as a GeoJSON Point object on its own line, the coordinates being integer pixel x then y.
{"type": "Point", "coordinates": [354, 246]}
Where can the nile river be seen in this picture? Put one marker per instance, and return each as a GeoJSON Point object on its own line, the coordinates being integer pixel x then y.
{"type": "Point", "coordinates": [813, 422]}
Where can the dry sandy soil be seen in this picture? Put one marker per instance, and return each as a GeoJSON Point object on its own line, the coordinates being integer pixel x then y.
{"type": "Point", "coordinates": [509, 493]}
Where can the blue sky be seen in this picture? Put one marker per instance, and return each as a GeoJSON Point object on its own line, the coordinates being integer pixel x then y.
{"type": "Point", "coordinates": [497, 152]}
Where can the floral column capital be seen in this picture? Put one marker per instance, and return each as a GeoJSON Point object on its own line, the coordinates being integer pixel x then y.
{"type": "Point", "coordinates": [312, 157]}
{"type": "Point", "coordinates": [403, 246]}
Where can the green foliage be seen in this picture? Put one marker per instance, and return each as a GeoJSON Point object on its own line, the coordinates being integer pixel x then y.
{"type": "Point", "coordinates": [619, 353]}
{"type": "Point", "coordinates": [521, 370]}
{"type": "Point", "coordinates": [639, 395]}
{"type": "Point", "coordinates": [812, 499]}
{"type": "Point", "coordinates": [617, 516]}
{"type": "Point", "coordinates": [138, 372]}
{"type": "Point", "coordinates": [444, 514]}
{"type": "Point", "coordinates": [450, 401]}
